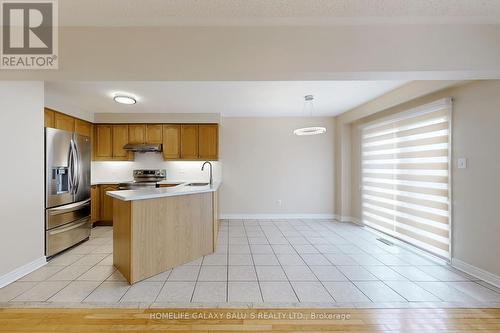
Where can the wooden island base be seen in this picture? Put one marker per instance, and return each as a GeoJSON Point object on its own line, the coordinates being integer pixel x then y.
{"type": "Point", "coordinates": [153, 235]}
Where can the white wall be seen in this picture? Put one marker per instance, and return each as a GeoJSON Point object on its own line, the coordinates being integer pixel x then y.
{"type": "Point", "coordinates": [116, 171]}
{"type": "Point", "coordinates": [264, 162]}
{"type": "Point", "coordinates": [22, 169]}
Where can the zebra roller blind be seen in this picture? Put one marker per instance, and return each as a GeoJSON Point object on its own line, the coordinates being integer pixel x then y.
{"type": "Point", "coordinates": [405, 176]}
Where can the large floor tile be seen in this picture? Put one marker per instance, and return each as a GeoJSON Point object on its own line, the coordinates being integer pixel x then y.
{"type": "Point", "coordinates": [443, 273]}
{"type": "Point", "coordinates": [75, 291]}
{"type": "Point", "coordinates": [64, 259]}
{"type": "Point", "coordinates": [244, 292]}
{"type": "Point", "coordinates": [290, 259]}
{"type": "Point", "coordinates": [97, 273]}
{"type": "Point", "coordinates": [242, 273]}
{"type": "Point", "coordinates": [311, 292]}
{"type": "Point", "coordinates": [413, 273]}
{"type": "Point", "coordinates": [270, 273]}
{"type": "Point", "coordinates": [265, 259]}
{"type": "Point", "coordinates": [411, 291]}
{"type": "Point", "coordinates": [42, 291]}
{"type": "Point", "coordinates": [176, 292]}
{"type": "Point", "coordinates": [366, 259]}
{"type": "Point", "coordinates": [210, 292]}
{"type": "Point", "coordinates": [477, 291]}
{"type": "Point", "coordinates": [345, 292]}
{"type": "Point", "coordinates": [15, 289]}
{"type": "Point", "coordinates": [163, 276]}
{"type": "Point", "coordinates": [445, 292]}
{"type": "Point", "coordinates": [215, 259]}
{"type": "Point", "coordinates": [261, 249]}
{"type": "Point", "coordinates": [240, 259]}
{"type": "Point", "coordinates": [69, 273]}
{"type": "Point", "coordinates": [328, 273]}
{"type": "Point", "coordinates": [213, 273]}
{"type": "Point", "coordinates": [142, 292]}
{"type": "Point", "coordinates": [357, 273]}
{"type": "Point", "coordinates": [283, 249]}
{"type": "Point", "coordinates": [340, 259]}
{"type": "Point", "coordinates": [377, 291]}
{"type": "Point", "coordinates": [278, 292]}
{"type": "Point", "coordinates": [42, 274]}
{"type": "Point", "coordinates": [385, 273]}
{"type": "Point", "coordinates": [184, 273]}
{"type": "Point", "coordinates": [108, 292]}
{"type": "Point", "coordinates": [90, 259]}
{"type": "Point", "coordinates": [299, 273]}
{"type": "Point", "coordinates": [315, 259]}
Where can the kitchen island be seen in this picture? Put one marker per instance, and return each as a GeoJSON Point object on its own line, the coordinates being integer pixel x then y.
{"type": "Point", "coordinates": [161, 228]}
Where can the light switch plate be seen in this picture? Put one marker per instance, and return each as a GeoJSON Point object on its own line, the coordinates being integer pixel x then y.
{"type": "Point", "coordinates": [462, 163]}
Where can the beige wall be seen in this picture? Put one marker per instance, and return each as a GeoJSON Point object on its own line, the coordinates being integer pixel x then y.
{"type": "Point", "coordinates": [475, 190]}
{"type": "Point", "coordinates": [22, 196]}
{"type": "Point", "coordinates": [328, 52]}
{"type": "Point", "coordinates": [263, 162]}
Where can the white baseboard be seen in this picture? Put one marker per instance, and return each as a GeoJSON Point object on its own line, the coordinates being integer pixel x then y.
{"type": "Point", "coordinates": [476, 272]}
{"type": "Point", "coordinates": [22, 271]}
{"type": "Point", "coordinates": [274, 216]}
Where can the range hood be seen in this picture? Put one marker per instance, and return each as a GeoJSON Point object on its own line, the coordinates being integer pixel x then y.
{"type": "Point", "coordinates": [143, 147]}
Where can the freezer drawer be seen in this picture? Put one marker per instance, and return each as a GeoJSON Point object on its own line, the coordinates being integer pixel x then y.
{"type": "Point", "coordinates": [60, 238]}
{"type": "Point", "coordinates": [68, 213]}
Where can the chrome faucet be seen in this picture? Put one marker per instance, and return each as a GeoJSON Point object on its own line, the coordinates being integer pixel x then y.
{"type": "Point", "coordinates": [203, 166]}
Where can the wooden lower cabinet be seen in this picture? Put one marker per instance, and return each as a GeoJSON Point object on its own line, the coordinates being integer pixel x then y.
{"type": "Point", "coordinates": [101, 210]}
{"type": "Point", "coordinates": [95, 198]}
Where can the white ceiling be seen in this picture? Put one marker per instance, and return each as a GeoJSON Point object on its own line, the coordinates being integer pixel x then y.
{"type": "Point", "coordinates": [265, 12]}
{"type": "Point", "coordinates": [229, 98]}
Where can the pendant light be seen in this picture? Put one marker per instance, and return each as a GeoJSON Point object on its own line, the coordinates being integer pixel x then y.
{"type": "Point", "coordinates": [308, 104]}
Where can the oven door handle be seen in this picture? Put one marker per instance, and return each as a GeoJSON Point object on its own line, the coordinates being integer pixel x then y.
{"type": "Point", "coordinates": [71, 227]}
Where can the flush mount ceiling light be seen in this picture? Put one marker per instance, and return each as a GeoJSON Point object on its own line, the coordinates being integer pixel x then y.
{"type": "Point", "coordinates": [124, 99]}
{"type": "Point", "coordinates": [308, 104]}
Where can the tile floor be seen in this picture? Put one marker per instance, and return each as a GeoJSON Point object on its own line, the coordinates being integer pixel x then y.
{"type": "Point", "coordinates": [272, 263]}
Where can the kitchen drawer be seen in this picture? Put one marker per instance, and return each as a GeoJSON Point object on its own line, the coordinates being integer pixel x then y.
{"type": "Point", "coordinates": [67, 235]}
{"type": "Point", "coordinates": [68, 213]}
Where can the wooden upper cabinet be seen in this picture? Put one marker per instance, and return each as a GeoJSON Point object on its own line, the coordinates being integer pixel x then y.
{"type": "Point", "coordinates": [136, 133]}
{"type": "Point", "coordinates": [208, 141]}
{"type": "Point", "coordinates": [154, 133]}
{"type": "Point", "coordinates": [48, 117]}
{"type": "Point", "coordinates": [171, 142]}
{"type": "Point", "coordinates": [64, 122]}
{"type": "Point", "coordinates": [83, 127]}
{"type": "Point", "coordinates": [189, 142]}
{"type": "Point", "coordinates": [103, 142]}
{"type": "Point", "coordinates": [120, 139]}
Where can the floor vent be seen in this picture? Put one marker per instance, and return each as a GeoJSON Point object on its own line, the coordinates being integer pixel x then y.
{"type": "Point", "coordinates": [385, 241]}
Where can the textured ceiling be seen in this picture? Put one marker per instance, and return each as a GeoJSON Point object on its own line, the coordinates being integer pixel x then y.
{"type": "Point", "coordinates": [274, 12]}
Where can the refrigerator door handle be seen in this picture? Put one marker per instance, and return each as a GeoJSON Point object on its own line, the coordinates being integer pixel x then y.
{"type": "Point", "coordinates": [76, 163]}
{"type": "Point", "coordinates": [71, 168]}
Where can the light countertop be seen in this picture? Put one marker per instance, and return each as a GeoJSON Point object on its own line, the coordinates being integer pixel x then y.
{"type": "Point", "coordinates": [153, 193]}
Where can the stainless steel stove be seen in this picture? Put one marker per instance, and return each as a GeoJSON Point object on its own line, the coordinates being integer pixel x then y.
{"type": "Point", "coordinates": [145, 178]}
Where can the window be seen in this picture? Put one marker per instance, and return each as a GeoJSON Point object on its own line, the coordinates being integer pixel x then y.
{"type": "Point", "coordinates": [405, 161]}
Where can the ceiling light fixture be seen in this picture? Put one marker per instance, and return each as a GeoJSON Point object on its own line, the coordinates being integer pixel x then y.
{"type": "Point", "coordinates": [123, 99]}
{"type": "Point", "coordinates": [314, 130]}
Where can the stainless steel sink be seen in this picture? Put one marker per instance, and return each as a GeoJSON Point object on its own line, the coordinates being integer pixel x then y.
{"type": "Point", "coordinates": [197, 184]}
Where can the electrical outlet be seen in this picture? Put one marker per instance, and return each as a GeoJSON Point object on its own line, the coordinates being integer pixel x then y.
{"type": "Point", "coordinates": [462, 163]}
{"type": "Point", "coordinates": [279, 203]}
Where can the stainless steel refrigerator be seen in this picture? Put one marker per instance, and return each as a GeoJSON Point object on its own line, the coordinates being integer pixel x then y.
{"type": "Point", "coordinates": [67, 190]}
